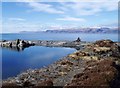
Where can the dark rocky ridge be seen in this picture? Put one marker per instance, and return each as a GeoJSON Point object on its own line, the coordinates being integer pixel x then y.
{"type": "Point", "coordinates": [98, 64]}
{"type": "Point", "coordinates": [85, 30]}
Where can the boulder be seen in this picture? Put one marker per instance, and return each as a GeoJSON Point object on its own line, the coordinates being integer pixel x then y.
{"type": "Point", "coordinates": [79, 54]}
{"type": "Point", "coordinates": [78, 40]}
{"type": "Point", "coordinates": [101, 50]}
{"type": "Point", "coordinates": [104, 43]}
{"type": "Point", "coordinates": [82, 53]}
{"type": "Point", "coordinates": [66, 62]}
{"type": "Point", "coordinates": [90, 58]}
{"type": "Point", "coordinates": [16, 44]}
{"type": "Point", "coordinates": [27, 84]}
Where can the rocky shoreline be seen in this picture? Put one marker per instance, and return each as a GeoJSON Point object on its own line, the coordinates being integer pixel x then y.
{"type": "Point", "coordinates": [17, 45]}
{"type": "Point", "coordinates": [20, 45]}
{"type": "Point", "coordinates": [96, 65]}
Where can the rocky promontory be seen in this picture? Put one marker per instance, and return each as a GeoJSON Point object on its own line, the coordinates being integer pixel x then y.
{"type": "Point", "coordinates": [96, 65]}
{"type": "Point", "coordinates": [17, 45]}
{"type": "Point", "coordinates": [21, 44]}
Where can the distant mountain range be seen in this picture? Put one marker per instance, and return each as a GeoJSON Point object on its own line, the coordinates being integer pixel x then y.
{"type": "Point", "coordinates": [79, 30]}
{"type": "Point", "coordinates": [86, 30]}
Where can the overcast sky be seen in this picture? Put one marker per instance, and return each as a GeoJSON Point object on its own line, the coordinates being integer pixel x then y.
{"type": "Point", "coordinates": [36, 16]}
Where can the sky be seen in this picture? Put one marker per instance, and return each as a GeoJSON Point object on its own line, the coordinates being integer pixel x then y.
{"type": "Point", "coordinates": [31, 15]}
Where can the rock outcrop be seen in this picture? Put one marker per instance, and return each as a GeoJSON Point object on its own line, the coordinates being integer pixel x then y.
{"type": "Point", "coordinates": [23, 43]}
{"type": "Point", "coordinates": [97, 74]}
{"type": "Point", "coordinates": [78, 40]}
{"type": "Point", "coordinates": [102, 66]}
{"type": "Point", "coordinates": [17, 45]}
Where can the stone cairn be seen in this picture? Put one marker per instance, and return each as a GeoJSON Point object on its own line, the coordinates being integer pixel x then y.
{"type": "Point", "coordinates": [78, 40]}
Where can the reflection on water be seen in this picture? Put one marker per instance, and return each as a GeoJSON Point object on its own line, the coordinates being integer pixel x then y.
{"type": "Point", "coordinates": [13, 63]}
{"type": "Point", "coordinates": [20, 48]}
{"type": "Point", "coordinates": [16, 48]}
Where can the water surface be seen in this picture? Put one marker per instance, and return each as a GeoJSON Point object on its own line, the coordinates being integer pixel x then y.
{"type": "Point", "coordinates": [60, 36]}
{"type": "Point", "coordinates": [14, 62]}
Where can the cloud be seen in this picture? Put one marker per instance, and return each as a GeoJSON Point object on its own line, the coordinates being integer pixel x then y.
{"type": "Point", "coordinates": [74, 11]}
{"type": "Point", "coordinates": [17, 26]}
{"type": "Point", "coordinates": [112, 24]}
{"type": "Point", "coordinates": [89, 7]}
{"type": "Point", "coordinates": [68, 18]}
{"type": "Point", "coordinates": [16, 19]}
{"type": "Point", "coordinates": [41, 7]}
{"type": "Point", "coordinates": [58, 0]}
{"type": "Point", "coordinates": [76, 7]}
